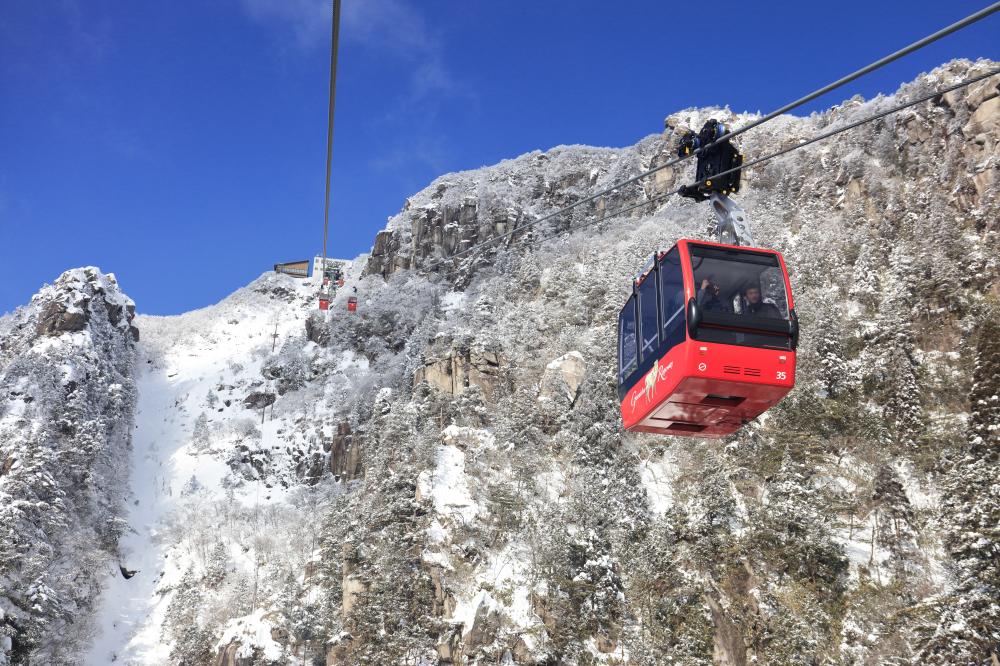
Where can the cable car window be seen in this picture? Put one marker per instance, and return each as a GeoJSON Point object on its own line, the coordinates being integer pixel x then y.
{"type": "Point", "coordinates": [749, 284]}
{"type": "Point", "coordinates": [649, 327]}
{"type": "Point", "coordinates": [628, 358]}
{"type": "Point", "coordinates": [672, 298]}
{"type": "Point", "coordinates": [744, 338]}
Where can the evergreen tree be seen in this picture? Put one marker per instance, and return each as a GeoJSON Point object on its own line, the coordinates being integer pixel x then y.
{"type": "Point", "coordinates": [792, 527]}
{"type": "Point", "coordinates": [865, 285]}
{"type": "Point", "coordinates": [668, 600]}
{"type": "Point", "coordinates": [894, 518]}
{"type": "Point", "coordinates": [711, 511]}
{"type": "Point", "coordinates": [834, 368]}
{"type": "Point", "coordinates": [893, 370]}
{"type": "Point", "coordinates": [192, 645]}
{"type": "Point", "coordinates": [969, 626]}
{"type": "Point", "coordinates": [218, 565]}
{"type": "Point", "coordinates": [789, 533]}
{"type": "Point", "coordinates": [200, 435]}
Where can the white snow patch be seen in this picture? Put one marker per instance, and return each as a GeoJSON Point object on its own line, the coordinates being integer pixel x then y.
{"type": "Point", "coordinates": [859, 550]}
{"type": "Point", "coordinates": [448, 486]}
{"type": "Point", "coordinates": [465, 609]}
{"type": "Point", "coordinates": [467, 438]}
{"type": "Point", "coordinates": [658, 479]}
{"type": "Point", "coordinates": [453, 301]}
{"type": "Point", "coordinates": [253, 633]}
{"type": "Point", "coordinates": [921, 494]}
{"type": "Point", "coordinates": [436, 533]}
{"type": "Point", "coordinates": [436, 558]}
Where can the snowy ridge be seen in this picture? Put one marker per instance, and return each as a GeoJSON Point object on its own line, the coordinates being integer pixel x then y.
{"type": "Point", "coordinates": [67, 400]}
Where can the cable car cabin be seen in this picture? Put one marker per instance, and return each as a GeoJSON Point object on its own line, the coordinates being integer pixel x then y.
{"type": "Point", "coordinates": [324, 303]}
{"type": "Point", "coordinates": [352, 303]}
{"type": "Point", "coordinates": [707, 340]}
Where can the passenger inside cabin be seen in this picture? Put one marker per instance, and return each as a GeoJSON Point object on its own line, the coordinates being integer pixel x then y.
{"type": "Point", "coordinates": [708, 297]}
{"type": "Point", "coordinates": [756, 306]}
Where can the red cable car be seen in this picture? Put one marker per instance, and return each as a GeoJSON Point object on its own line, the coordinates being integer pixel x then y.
{"type": "Point", "coordinates": [352, 303]}
{"type": "Point", "coordinates": [324, 303]}
{"type": "Point", "coordinates": [707, 340]}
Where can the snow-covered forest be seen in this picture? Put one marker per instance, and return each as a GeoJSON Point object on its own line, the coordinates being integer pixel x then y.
{"type": "Point", "coordinates": [442, 478]}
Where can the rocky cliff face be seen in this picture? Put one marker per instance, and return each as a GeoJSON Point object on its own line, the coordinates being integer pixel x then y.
{"type": "Point", "coordinates": [464, 209]}
{"type": "Point", "coordinates": [67, 400]}
{"type": "Point", "coordinates": [460, 210]}
{"type": "Point", "coordinates": [442, 478]}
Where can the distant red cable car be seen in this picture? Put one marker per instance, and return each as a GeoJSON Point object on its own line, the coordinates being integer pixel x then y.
{"type": "Point", "coordinates": [352, 303]}
{"type": "Point", "coordinates": [324, 303]}
{"type": "Point", "coordinates": [706, 341]}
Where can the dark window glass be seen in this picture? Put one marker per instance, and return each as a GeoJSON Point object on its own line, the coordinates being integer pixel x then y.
{"type": "Point", "coordinates": [649, 327]}
{"type": "Point", "coordinates": [628, 359]}
{"type": "Point", "coordinates": [744, 338]}
{"type": "Point", "coordinates": [749, 284]}
{"type": "Point", "coordinates": [672, 297]}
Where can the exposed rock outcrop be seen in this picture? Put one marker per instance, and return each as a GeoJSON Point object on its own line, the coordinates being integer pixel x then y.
{"type": "Point", "coordinates": [228, 656]}
{"type": "Point", "coordinates": [345, 453]}
{"type": "Point", "coordinates": [458, 370]}
{"type": "Point", "coordinates": [67, 306]}
{"type": "Point", "coordinates": [58, 317]}
{"type": "Point", "coordinates": [563, 377]}
{"type": "Point", "coordinates": [461, 210]}
{"type": "Point", "coordinates": [729, 648]}
{"type": "Point", "coordinates": [316, 331]}
{"type": "Point", "coordinates": [259, 400]}
{"type": "Point", "coordinates": [339, 650]}
{"type": "Point", "coordinates": [351, 585]}
{"type": "Point", "coordinates": [449, 647]}
{"type": "Point", "coordinates": [485, 625]}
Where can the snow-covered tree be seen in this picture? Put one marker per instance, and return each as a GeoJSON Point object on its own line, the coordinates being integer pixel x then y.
{"type": "Point", "coordinates": [968, 630]}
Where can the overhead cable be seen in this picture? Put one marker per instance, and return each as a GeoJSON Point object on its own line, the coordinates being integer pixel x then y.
{"type": "Point", "coordinates": [820, 137]}
{"type": "Point", "coordinates": [954, 27]}
{"type": "Point", "coordinates": [334, 48]}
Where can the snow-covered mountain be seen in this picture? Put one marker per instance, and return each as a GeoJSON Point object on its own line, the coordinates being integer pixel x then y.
{"type": "Point", "coordinates": [67, 400]}
{"type": "Point", "coordinates": [442, 478]}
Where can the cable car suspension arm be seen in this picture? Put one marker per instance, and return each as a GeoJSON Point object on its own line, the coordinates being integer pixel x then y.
{"type": "Point", "coordinates": [719, 166]}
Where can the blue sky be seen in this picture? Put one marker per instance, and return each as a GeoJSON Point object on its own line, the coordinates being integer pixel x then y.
{"type": "Point", "coordinates": [181, 144]}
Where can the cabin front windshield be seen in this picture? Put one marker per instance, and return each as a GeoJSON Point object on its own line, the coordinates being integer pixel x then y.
{"type": "Point", "coordinates": [739, 282]}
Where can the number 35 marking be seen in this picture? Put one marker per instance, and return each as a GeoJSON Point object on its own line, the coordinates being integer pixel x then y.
{"type": "Point", "coordinates": [782, 374]}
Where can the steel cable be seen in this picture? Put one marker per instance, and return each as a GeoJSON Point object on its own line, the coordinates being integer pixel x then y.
{"type": "Point", "coordinates": [784, 151]}
{"type": "Point", "coordinates": [954, 27]}
{"type": "Point", "coordinates": [334, 48]}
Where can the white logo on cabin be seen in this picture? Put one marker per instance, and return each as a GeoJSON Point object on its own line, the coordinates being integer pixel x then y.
{"type": "Point", "coordinates": [655, 374]}
{"type": "Point", "coordinates": [665, 370]}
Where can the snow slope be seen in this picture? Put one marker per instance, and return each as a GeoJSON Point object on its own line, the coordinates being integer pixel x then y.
{"type": "Point", "coordinates": [184, 359]}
